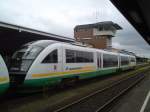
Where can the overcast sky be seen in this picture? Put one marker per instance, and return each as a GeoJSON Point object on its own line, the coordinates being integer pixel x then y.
{"type": "Point", "coordinates": [60, 17]}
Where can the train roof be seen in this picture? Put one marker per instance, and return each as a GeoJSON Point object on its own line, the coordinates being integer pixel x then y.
{"type": "Point", "coordinates": [41, 43]}
{"type": "Point", "coordinates": [46, 43]}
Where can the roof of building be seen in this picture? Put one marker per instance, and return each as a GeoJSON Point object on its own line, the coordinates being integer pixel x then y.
{"type": "Point", "coordinates": [105, 24]}
{"type": "Point", "coordinates": [14, 36]}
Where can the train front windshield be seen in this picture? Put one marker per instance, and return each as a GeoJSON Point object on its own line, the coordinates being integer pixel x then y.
{"type": "Point", "coordinates": [23, 58]}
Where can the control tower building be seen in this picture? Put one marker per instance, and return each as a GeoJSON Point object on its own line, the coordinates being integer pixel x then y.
{"type": "Point", "coordinates": [98, 35]}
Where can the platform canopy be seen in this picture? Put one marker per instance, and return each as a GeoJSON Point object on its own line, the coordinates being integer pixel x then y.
{"type": "Point", "coordinates": [137, 12]}
{"type": "Point", "coordinates": [13, 36]}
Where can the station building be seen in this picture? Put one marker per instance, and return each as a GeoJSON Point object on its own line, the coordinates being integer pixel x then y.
{"type": "Point", "coordinates": [98, 35]}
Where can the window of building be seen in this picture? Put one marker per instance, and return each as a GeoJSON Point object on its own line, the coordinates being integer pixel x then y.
{"type": "Point", "coordinates": [100, 28]}
{"type": "Point", "coordinates": [110, 60]}
{"type": "Point", "coordinates": [74, 56]}
{"type": "Point", "coordinates": [76, 30]}
{"type": "Point", "coordinates": [52, 57]}
{"type": "Point", "coordinates": [124, 60]}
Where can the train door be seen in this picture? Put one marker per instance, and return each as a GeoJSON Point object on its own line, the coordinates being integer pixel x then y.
{"type": "Point", "coordinates": [99, 62]}
{"type": "Point", "coordinates": [57, 55]}
{"type": "Point", "coordinates": [53, 61]}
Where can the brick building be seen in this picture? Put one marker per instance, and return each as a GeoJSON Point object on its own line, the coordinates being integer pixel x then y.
{"type": "Point", "coordinates": [99, 35]}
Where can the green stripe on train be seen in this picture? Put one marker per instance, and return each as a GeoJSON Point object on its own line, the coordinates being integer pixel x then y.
{"type": "Point", "coordinates": [4, 87]}
{"type": "Point", "coordinates": [56, 80]}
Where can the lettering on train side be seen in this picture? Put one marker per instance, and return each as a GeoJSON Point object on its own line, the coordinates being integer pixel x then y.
{"type": "Point", "coordinates": [67, 68]}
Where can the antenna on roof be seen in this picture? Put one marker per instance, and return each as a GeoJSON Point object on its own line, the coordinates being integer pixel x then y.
{"type": "Point", "coordinates": [96, 15]}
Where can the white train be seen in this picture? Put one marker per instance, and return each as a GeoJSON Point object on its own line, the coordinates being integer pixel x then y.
{"type": "Point", "coordinates": [4, 76]}
{"type": "Point", "coordinates": [45, 62]}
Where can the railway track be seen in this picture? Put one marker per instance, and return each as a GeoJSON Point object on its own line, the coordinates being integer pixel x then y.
{"type": "Point", "coordinates": [102, 100]}
{"type": "Point", "coordinates": [58, 100]}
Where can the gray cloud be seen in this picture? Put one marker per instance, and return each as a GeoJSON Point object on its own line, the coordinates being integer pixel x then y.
{"type": "Point", "coordinates": [60, 17]}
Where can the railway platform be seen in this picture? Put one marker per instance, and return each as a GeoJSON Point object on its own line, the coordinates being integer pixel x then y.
{"type": "Point", "coordinates": [137, 99]}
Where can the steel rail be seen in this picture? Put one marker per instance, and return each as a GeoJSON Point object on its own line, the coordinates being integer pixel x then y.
{"type": "Point", "coordinates": [84, 99]}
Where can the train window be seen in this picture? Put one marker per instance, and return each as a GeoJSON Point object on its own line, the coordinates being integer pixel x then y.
{"type": "Point", "coordinates": [70, 56]}
{"type": "Point", "coordinates": [52, 57]}
{"type": "Point", "coordinates": [80, 57]}
{"type": "Point", "coordinates": [132, 59]}
{"type": "Point", "coordinates": [28, 52]}
{"type": "Point", "coordinates": [23, 58]}
{"type": "Point", "coordinates": [110, 60]}
{"type": "Point", "coordinates": [124, 60]}
{"type": "Point", "coordinates": [74, 56]}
